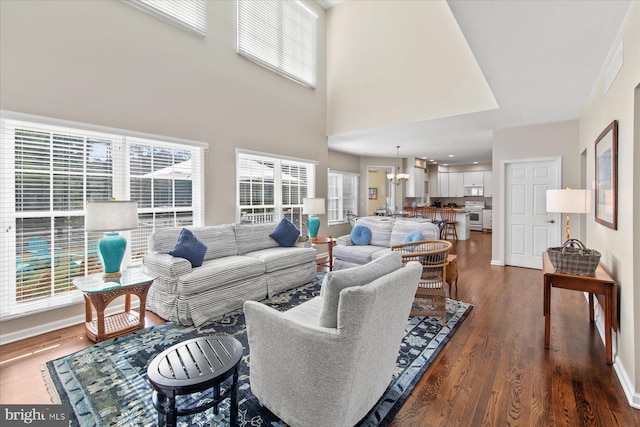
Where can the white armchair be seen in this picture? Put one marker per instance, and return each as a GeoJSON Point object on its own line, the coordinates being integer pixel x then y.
{"type": "Point", "coordinates": [311, 375]}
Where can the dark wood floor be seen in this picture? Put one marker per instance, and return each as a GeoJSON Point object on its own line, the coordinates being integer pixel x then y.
{"type": "Point", "coordinates": [494, 371]}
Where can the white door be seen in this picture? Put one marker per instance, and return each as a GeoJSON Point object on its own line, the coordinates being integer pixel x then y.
{"type": "Point", "coordinates": [529, 229]}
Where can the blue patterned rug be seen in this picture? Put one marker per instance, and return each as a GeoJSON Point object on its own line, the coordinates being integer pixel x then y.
{"type": "Point", "coordinates": [106, 384]}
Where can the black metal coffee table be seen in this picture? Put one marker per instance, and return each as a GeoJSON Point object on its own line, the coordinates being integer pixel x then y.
{"type": "Point", "coordinates": [192, 366]}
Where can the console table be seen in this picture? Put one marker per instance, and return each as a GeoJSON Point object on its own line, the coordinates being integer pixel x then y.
{"type": "Point", "coordinates": [601, 285]}
{"type": "Point", "coordinates": [99, 293]}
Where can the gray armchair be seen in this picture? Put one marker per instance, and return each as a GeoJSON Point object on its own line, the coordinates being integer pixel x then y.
{"type": "Point", "coordinates": [309, 374]}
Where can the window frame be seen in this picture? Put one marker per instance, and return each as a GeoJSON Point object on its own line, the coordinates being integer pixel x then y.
{"type": "Point", "coordinates": [120, 140]}
{"type": "Point", "coordinates": [247, 39]}
{"type": "Point", "coordinates": [356, 191]}
{"type": "Point", "coordinates": [199, 27]}
{"type": "Point", "coordinates": [278, 204]}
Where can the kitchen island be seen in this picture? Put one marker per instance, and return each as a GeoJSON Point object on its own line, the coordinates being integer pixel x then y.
{"type": "Point", "coordinates": [462, 222]}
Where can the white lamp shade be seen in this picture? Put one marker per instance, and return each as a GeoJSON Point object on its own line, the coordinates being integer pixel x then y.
{"type": "Point", "coordinates": [568, 201]}
{"type": "Point", "coordinates": [313, 206]}
{"type": "Point", "coordinates": [112, 215]}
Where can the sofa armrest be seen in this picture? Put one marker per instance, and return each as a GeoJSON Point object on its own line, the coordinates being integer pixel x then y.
{"type": "Point", "coordinates": [344, 240]}
{"type": "Point", "coordinates": [165, 265]}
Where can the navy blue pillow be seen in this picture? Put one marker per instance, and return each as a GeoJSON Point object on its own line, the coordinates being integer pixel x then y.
{"type": "Point", "coordinates": [285, 233]}
{"type": "Point", "coordinates": [189, 248]}
{"type": "Point", "coordinates": [361, 235]}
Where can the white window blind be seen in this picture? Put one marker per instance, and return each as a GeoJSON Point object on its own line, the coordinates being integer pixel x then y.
{"type": "Point", "coordinates": [279, 35]}
{"type": "Point", "coordinates": [271, 187]}
{"type": "Point", "coordinates": [188, 14]}
{"type": "Point", "coordinates": [49, 172]}
{"type": "Point", "coordinates": [343, 195]}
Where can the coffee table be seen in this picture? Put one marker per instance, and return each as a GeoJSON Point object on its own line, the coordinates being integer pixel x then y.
{"type": "Point", "coordinates": [100, 292]}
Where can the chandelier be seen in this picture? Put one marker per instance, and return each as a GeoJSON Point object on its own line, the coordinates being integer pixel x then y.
{"type": "Point", "coordinates": [397, 178]}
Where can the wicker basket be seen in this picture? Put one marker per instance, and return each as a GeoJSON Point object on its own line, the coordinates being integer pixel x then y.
{"type": "Point", "coordinates": [574, 258]}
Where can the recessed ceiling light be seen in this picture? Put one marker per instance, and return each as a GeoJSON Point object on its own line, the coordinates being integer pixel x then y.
{"type": "Point", "coordinates": [432, 160]}
{"type": "Point", "coordinates": [445, 164]}
{"type": "Point", "coordinates": [475, 163]}
{"type": "Point", "coordinates": [450, 155]}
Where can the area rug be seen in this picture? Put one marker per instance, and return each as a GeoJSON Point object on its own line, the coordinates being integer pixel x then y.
{"type": "Point", "coordinates": [106, 384]}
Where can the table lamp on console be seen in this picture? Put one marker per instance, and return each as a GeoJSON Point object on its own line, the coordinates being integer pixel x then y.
{"type": "Point", "coordinates": [313, 207]}
{"type": "Point", "coordinates": [568, 201]}
{"type": "Point", "coordinates": [110, 217]}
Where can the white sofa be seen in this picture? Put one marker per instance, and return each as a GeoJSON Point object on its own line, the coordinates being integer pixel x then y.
{"type": "Point", "coordinates": [313, 375]}
{"type": "Point", "coordinates": [385, 232]}
{"type": "Point", "coordinates": [242, 263]}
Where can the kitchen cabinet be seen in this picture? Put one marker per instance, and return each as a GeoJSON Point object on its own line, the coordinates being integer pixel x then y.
{"type": "Point", "coordinates": [443, 184]}
{"type": "Point", "coordinates": [487, 178]}
{"type": "Point", "coordinates": [474, 179]}
{"type": "Point", "coordinates": [415, 183]}
{"type": "Point", "coordinates": [487, 219]}
{"type": "Point", "coordinates": [434, 191]}
{"type": "Point", "coordinates": [456, 184]}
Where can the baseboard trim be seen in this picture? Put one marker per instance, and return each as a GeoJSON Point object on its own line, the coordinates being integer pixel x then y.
{"type": "Point", "coordinates": [633, 397]}
{"type": "Point", "coordinates": [497, 262]}
{"type": "Point", "coordinates": [59, 324]}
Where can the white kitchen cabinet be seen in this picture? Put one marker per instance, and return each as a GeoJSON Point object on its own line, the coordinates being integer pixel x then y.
{"type": "Point", "coordinates": [434, 190]}
{"type": "Point", "coordinates": [415, 184]}
{"type": "Point", "coordinates": [474, 179]}
{"type": "Point", "coordinates": [456, 184]}
{"type": "Point", "coordinates": [487, 178]}
{"type": "Point", "coordinates": [443, 184]}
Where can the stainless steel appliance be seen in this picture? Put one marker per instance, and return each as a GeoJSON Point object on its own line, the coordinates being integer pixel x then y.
{"type": "Point", "coordinates": [475, 214]}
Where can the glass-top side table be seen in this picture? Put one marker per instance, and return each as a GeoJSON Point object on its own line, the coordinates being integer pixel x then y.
{"type": "Point", "coordinates": [99, 293]}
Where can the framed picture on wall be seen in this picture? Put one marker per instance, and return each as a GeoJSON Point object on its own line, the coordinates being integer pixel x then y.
{"type": "Point", "coordinates": [607, 176]}
{"type": "Point", "coordinates": [373, 193]}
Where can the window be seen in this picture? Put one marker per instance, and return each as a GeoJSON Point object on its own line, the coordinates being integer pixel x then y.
{"type": "Point", "coordinates": [343, 195]}
{"type": "Point", "coordinates": [279, 35]}
{"type": "Point", "coordinates": [49, 170]}
{"type": "Point", "coordinates": [188, 14]}
{"type": "Point", "coordinates": [270, 188]}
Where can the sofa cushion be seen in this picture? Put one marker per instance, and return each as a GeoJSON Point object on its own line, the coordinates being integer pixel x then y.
{"type": "Point", "coordinates": [219, 272]}
{"type": "Point", "coordinates": [190, 248]}
{"type": "Point", "coordinates": [355, 254]}
{"type": "Point", "coordinates": [278, 258]}
{"type": "Point", "coordinates": [361, 235]}
{"type": "Point", "coordinates": [254, 237]}
{"type": "Point", "coordinates": [286, 234]}
{"type": "Point", "coordinates": [357, 276]}
{"type": "Point", "coordinates": [380, 230]}
{"type": "Point", "coordinates": [220, 240]}
{"type": "Point", "coordinates": [402, 228]}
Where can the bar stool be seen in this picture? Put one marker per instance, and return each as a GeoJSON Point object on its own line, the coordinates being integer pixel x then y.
{"type": "Point", "coordinates": [449, 215]}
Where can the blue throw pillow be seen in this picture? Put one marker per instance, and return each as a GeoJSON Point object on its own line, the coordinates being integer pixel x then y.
{"type": "Point", "coordinates": [414, 236]}
{"type": "Point", "coordinates": [285, 233]}
{"type": "Point", "coordinates": [189, 248]}
{"type": "Point", "coordinates": [361, 235]}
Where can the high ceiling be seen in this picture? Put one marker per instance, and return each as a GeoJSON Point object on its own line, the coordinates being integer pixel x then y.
{"type": "Point", "coordinates": [540, 59]}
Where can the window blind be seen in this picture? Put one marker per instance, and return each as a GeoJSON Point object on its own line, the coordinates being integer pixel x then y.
{"type": "Point", "coordinates": [188, 14]}
{"type": "Point", "coordinates": [271, 187]}
{"type": "Point", "coordinates": [281, 36]}
{"type": "Point", "coordinates": [343, 195]}
{"type": "Point", "coordinates": [49, 172]}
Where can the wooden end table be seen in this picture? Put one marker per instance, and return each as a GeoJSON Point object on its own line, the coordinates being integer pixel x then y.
{"type": "Point", "coordinates": [452, 272]}
{"type": "Point", "coordinates": [330, 242]}
{"type": "Point", "coordinates": [99, 293]}
{"type": "Point", "coordinates": [601, 285]}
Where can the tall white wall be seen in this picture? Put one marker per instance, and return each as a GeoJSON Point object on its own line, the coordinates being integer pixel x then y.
{"type": "Point", "coordinates": [379, 72]}
{"type": "Point", "coordinates": [107, 63]}
{"type": "Point", "coordinates": [621, 248]}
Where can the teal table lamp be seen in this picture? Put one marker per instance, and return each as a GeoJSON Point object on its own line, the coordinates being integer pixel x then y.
{"type": "Point", "coordinates": [110, 217]}
{"type": "Point", "coordinates": [313, 207]}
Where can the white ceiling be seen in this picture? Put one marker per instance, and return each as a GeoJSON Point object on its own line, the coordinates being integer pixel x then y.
{"type": "Point", "coordinates": [540, 58]}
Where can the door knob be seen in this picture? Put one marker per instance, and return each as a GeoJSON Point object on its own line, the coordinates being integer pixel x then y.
{"type": "Point", "coordinates": [552, 221]}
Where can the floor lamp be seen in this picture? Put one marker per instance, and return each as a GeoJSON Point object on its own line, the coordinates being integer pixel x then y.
{"type": "Point", "coordinates": [568, 201]}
